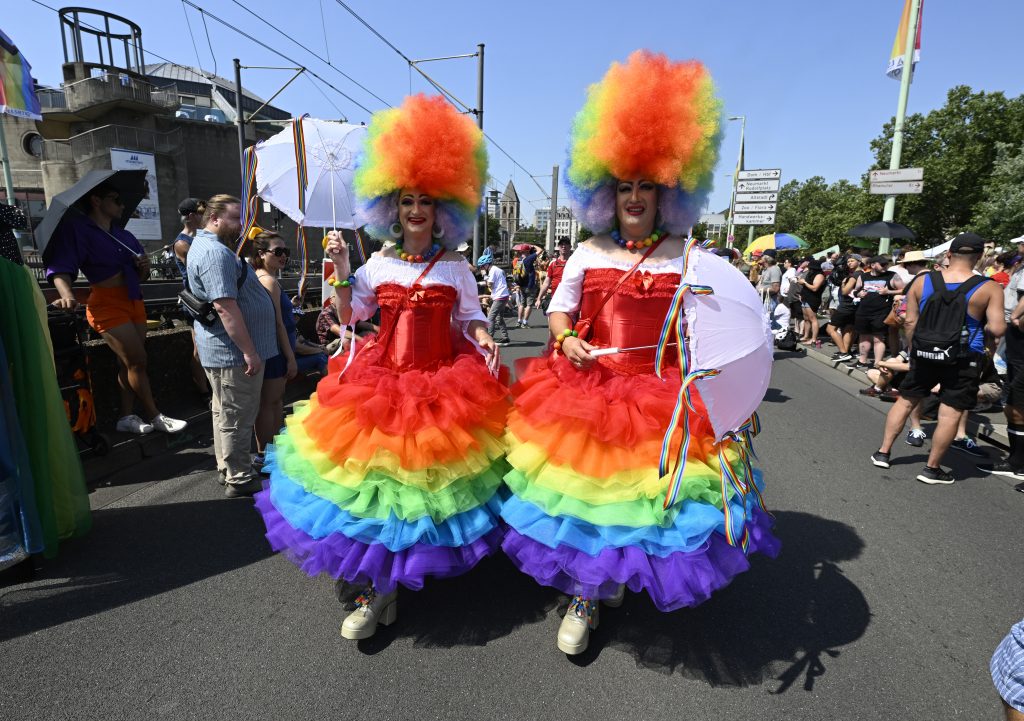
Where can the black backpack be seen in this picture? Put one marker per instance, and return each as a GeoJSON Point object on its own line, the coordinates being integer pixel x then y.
{"type": "Point", "coordinates": [787, 342]}
{"type": "Point", "coordinates": [941, 335]}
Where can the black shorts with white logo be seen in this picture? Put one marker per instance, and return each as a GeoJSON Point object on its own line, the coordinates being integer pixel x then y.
{"type": "Point", "coordinates": [958, 383]}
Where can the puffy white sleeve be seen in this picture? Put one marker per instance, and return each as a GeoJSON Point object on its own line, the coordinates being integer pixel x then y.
{"type": "Point", "coordinates": [364, 297]}
{"type": "Point", "coordinates": [570, 291]}
{"type": "Point", "coordinates": [467, 298]}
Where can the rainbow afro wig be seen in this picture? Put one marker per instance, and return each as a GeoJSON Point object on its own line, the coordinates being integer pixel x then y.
{"type": "Point", "coordinates": [427, 145]}
{"type": "Point", "coordinates": [649, 118]}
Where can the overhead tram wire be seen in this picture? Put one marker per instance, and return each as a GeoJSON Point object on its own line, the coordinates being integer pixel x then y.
{"type": "Point", "coordinates": [326, 61]}
{"type": "Point", "coordinates": [190, 69]}
{"type": "Point", "coordinates": [453, 100]}
{"type": "Point", "coordinates": [279, 54]}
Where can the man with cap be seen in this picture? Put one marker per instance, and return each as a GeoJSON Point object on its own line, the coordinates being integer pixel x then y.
{"type": "Point", "coordinates": [957, 369]}
{"type": "Point", "coordinates": [498, 285]}
{"type": "Point", "coordinates": [840, 325]}
{"type": "Point", "coordinates": [770, 281]}
{"type": "Point", "coordinates": [191, 211]}
{"type": "Point", "coordinates": [555, 269]}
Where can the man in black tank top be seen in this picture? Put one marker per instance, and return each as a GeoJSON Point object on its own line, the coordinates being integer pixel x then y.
{"type": "Point", "coordinates": [958, 381]}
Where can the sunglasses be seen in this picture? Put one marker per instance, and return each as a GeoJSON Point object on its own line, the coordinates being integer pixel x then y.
{"type": "Point", "coordinates": [278, 252]}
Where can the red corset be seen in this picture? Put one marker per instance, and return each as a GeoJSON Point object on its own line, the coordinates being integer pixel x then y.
{"type": "Point", "coordinates": [415, 324]}
{"type": "Point", "coordinates": [632, 317]}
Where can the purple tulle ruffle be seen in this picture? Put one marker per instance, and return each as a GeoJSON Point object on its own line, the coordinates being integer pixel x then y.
{"type": "Point", "coordinates": [679, 579]}
{"type": "Point", "coordinates": [356, 562]}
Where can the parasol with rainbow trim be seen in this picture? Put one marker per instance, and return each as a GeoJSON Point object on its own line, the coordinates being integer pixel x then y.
{"type": "Point", "coordinates": [775, 241]}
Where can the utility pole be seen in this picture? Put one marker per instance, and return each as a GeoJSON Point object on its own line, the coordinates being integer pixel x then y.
{"type": "Point", "coordinates": [735, 176]}
{"type": "Point", "coordinates": [889, 212]}
{"type": "Point", "coordinates": [553, 217]}
{"type": "Point", "coordinates": [480, 124]}
{"type": "Point", "coordinates": [239, 119]}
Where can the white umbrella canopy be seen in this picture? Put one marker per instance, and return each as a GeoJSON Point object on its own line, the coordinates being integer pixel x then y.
{"type": "Point", "coordinates": [729, 332]}
{"type": "Point", "coordinates": [331, 149]}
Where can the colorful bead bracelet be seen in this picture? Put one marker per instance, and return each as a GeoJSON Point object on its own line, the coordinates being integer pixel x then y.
{"type": "Point", "coordinates": [348, 282]}
{"type": "Point", "coordinates": [567, 333]}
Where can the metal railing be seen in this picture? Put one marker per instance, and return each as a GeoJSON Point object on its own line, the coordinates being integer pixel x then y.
{"type": "Point", "coordinates": [110, 87]}
{"type": "Point", "coordinates": [52, 99]}
{"type": "Point", "coordinates": [100, 140]}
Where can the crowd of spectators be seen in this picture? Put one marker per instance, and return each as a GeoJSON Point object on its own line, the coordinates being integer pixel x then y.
{"type": "Point", "coordinates": [865, 301]}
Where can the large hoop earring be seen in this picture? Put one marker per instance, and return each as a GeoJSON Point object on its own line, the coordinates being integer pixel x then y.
{"type": "Point", "coordinates": [437, 231]}
{"type": "Point", "coordinates": [395, 230]}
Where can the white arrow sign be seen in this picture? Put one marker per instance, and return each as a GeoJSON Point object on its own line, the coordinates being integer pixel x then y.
{"type": "Point", "coordinates": [746, 186]}
{"type": "Point", "coordinates": [756, 197]}
{"type": "Point", "coordinates": [900, 188]}
{"type": "Point", "coordinates": [763, 174]}
{"type": "Point", "coordinates": [897, 175]}
{"type": "Point", "coordinates": [754, 219]}
{"type": "Point", "coordinates": [755, 207]}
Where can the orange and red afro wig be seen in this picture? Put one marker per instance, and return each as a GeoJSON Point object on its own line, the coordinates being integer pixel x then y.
{"type": "Point", "coordinates": [427, 145]}
{"type": "Point", "coordinates": [649, 118]}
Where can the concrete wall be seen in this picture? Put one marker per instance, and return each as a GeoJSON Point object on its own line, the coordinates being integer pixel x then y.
{"type": "Point", "coordinates": [24, 166]}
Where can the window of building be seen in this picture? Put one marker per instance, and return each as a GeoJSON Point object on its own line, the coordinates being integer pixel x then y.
{"type": "Point", "coordinates": [32, 143]}
{"type": "Point", "coordinates": [187, 99]}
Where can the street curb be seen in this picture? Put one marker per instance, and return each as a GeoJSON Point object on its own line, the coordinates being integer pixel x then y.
{"type": "Point", "coordinates": [977, 424]}
{"type": "Point", "coordinates": [136, 449]}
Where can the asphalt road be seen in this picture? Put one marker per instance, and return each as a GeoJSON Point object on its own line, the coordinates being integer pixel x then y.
{"type": "Point", "coordinates": [886, 602]}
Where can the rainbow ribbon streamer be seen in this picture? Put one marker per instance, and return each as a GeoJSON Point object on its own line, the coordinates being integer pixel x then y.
{"type": "Point", "coordinates": [675, 325]}
{"type": "Point", "coordinates": [250, 198]}
{"type": "Point", "coordinates": [740, 489]}
{"type": "Point", "coordinates": [301, 172]}
{"type": "Point", "coordinates": [302, 178]}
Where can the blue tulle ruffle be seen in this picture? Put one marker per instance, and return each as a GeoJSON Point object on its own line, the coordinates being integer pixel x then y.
{"type": "Point", "coordinates": [319, 518]}
{"type": "Point", "coordinates": [690, 529]}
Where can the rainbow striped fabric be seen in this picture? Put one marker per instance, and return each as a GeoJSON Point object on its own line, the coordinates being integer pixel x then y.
{"type": "Point", "coordinates": [17, 90]}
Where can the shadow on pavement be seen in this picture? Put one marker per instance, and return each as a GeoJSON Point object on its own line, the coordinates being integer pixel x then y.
{"type": "Point", "coordinates": [490, 602]}
{"type": "Point", "coordinates": [775, 395]}
{"type": "Point", "coordinates": [782, 619]}
{"type": "Point", "coordinates": [132, 554]}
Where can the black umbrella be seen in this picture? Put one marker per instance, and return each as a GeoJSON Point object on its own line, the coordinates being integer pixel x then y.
{"type": "Point", "coordinates": [129, 184]}
{"type": "Point", "coordinates": [881, 229]}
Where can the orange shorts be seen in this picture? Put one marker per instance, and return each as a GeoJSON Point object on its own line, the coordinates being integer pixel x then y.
{"type": "Point", "coordinates": [108, 308]}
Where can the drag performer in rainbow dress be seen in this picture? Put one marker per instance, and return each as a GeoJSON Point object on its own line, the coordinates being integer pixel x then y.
{"type": "Point", "coordinates": [389, 474]}
{"type": "Point", "coordinates": [619, 465]}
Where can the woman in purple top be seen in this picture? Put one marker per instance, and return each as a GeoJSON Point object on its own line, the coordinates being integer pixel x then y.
{"type": "Point", "coordinates": [114, 263]}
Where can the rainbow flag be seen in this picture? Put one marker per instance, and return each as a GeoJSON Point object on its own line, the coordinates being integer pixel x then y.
{"type": "Point", "coordinates": [17, 90]}
{"type": "Point", "coordinates": [899, 46]}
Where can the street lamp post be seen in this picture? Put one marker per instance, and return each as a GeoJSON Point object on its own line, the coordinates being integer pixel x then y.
{"type": "Point", "coordinates": [735, 176]}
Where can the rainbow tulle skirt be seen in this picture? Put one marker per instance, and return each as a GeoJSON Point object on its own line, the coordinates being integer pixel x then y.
{"type": "Point", "coordinates": [390, 476]}
{"type": "Point", "coordinates": [586, 511]}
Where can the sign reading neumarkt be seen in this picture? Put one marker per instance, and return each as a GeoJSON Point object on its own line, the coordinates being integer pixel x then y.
{"type": "Point", "coordinates": [902, 181]}
{"type": "Point", "coordinates": [757, 194]}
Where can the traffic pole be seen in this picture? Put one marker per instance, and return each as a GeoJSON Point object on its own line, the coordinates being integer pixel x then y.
{"type": "Point", "coordinates": [889, 211]}
{"type": "Point", "coordinates": [480, 124]}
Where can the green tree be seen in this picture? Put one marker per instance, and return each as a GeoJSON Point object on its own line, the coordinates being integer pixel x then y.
{"type": "Point", "coordinates": [583, 234]}
{"type": "Point", "coordinates": [530, 235]}
{"type": "Point", "coordinates": [1000, 215]}
{"type": "Point", "coordinates": [956, 146]}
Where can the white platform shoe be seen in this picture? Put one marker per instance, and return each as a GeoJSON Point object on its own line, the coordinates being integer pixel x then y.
{"type": "Point", "coordinates": [371, 609]}
{"type": "Point", "coordinates": [580, 619]}
{"type": "Point", "coordinates": [616, 600]}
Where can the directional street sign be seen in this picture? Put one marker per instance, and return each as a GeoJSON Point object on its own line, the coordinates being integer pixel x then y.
{"type": "Point", "coordinates": [763, 174]}
{"type": "Point", "coordinates": [878, 176]}
{"type": "Point", "coordinates": [747, 186]}
{"type": "Point", "coordinates": [754, 219]}
{"type": "Point", "coordinates": [756, 207]}
{"type": "Point", "coordinates": [897, 188]}
{"type": "Point", "coordinates": [756, 197]}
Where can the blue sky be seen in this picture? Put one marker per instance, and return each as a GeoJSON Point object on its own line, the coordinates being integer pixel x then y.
{"type": "Point", "coordinates": [809, 75]}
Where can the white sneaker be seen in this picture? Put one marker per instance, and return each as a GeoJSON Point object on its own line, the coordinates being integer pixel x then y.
{"type": "Point", "coordinates": [168, 425]}
{"type": "Point", "coordinates": [134, 424]}
{"type": "Point", "coordinates": [371, 609]}
{"type": "Point", "coordinates": [579, 620]}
